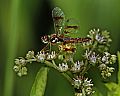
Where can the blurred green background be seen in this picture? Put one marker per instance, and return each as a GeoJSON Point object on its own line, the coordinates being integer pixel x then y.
{"type": "Point", "coordinates": [23, 22]}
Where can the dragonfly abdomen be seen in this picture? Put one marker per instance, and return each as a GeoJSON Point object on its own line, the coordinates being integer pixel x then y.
{"type": "Point", "coordinates": [75, 40]}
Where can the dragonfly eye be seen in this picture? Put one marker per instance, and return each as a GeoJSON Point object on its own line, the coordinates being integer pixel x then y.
{"type": "Point", "coordinates": [45, 39]}
{"type": "Point", "coordinates": [58, 19]}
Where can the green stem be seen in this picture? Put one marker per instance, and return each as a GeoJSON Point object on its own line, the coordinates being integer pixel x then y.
{"type": "Point", "coordinates": [30, 60]}
{"type": "Point", "coordinates": [67, 77]}
{"type": "Point", "coordinates": [54, 64]}
{"type": "Point", "coordinates": [85, 68]}
{"type": "Point", "coordinates": [50, 65]}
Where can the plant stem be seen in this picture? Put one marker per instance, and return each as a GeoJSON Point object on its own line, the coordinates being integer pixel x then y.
{"type": "Point", "coordinates": [30, 60]}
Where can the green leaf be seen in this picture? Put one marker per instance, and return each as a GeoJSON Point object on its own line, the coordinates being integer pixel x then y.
{"type": "Point", "coordinates": [114, 89]}
{"type": "Point", "coordinates": [118, 54]}
{"type": "Point", "coordinates": [39, 85]}
{"type": "Point", "coordinates": [97, 92]}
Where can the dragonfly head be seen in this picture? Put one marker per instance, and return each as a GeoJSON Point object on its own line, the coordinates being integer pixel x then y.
{"type": "Point", "coordinates": [45, 39]}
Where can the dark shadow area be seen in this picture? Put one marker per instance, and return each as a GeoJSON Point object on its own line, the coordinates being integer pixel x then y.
{"type": "Point", "coordinates": [42, 21]}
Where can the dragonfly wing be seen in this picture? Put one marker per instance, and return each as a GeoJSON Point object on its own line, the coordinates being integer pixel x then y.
{"type": "Point", "coordinates": [71, 27]}
{"type": "Point", "coordinates": [58, 19]}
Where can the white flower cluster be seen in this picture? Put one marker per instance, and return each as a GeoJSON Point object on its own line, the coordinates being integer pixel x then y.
{"type": "Point", "coordinates": [81, 83]}
{"type": "Point", "coordinates": [102, 61]}
{"type": "Point", "coordinates": [105, 60]}
{"type": "Point", "coordinates": [20, 63]}
{"type": "Point", "coordinates": [96, 35]}
{"type": "Point", "coordinates": [76, 67]}
{"type": "Point", "coordinates": [106, 72]}
{"type": "Point", "coordinates": [20, 67]}
{"type": "Point", "coordinates": [42, 56]}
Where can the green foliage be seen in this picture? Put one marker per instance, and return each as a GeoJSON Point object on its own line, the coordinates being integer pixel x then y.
{"type": "Point", "coordinates": [114, 89]}
{"type": "Point", "coordinates": [38, 88]}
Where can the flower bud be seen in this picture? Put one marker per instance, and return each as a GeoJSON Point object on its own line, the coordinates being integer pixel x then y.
{"type": "Point", "coordinates": [16, 68]}
{"type": "Point", "coordinates": [30, 55]}
{"type": "Point", "coordinates": [61, 57]}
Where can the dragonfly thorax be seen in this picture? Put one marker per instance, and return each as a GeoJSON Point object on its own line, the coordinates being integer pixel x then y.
{"type": "Point", "coordinates": [53, 38]}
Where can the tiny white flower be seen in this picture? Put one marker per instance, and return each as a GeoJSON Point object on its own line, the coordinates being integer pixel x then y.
{"type": "Point", "coordinates": [99, 38]}
{"type": "Point", "coordinates": [113, 59]}
{"type": "Point", "coordinates": [93, 57]}
{"type": "Point", "coordinates": [107, 54]}
{"type": "Point", "coordinates": [87, 82]}
{"type": "Point", "coordinates": [77, 66]}
{"type": "Point", "coordinates": [111, 69]}
{"type": "Point", "coordinates": [78, 94]}
{"type": "Point", "coordinates": [63, 67]}
{"type": "Point", "coordinates": [106, 57]}
{"type": "Point", "coordinates": [24, 71]}
{"type": "Point", "coordinates": [77, 82]}
{"type": "Point", "coordinates": [41, 56]}
{"type": "Point", "coordinates": [51, 55]}
{"type": "Point", "coordinates": [16, 68]}
{"type": "Point", "coordinates": [108, 74]}
{"type": "Point", "coordinates": [102, 66]}
{"type": "Point", "coordinates": [19, 74]}
{"type": "Point", "coordinates": [21, 61]}
{"type": "Point", "coordinates": [87, 53]}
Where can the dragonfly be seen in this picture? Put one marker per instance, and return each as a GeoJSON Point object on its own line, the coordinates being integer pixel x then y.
{"type": "Point", "coordinates": [63, 27]}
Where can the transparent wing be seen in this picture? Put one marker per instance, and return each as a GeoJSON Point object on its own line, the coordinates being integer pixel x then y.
{"type": "Point", "coordinates": [71, 27]}
{"type": "Point", "coordinates": [58, 19]}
